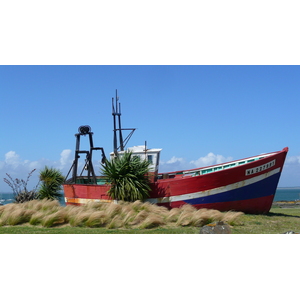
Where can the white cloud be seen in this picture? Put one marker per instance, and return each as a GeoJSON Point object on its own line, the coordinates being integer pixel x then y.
{"type": "Point", "coordinates": [293, 159]}
{"type": "Point", "coordinates": [65, 157]}
{"type": "Point", "coordinates": [178, 163]}
{"type": "Point", "coordinates": [12, 159]}
{"type": "Point", "coordinates": [18, 168]}
{"type": "Point", "coordinates": [210, 159]}
{"type": "Point", "coordinates": [173, 164]}
{"type": "Point", "coordinates": [34, 165]}
{"type": "Point", "coordinates": [175, 159]}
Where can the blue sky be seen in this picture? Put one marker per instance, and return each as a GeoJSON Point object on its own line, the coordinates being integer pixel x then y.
{"type": "Point", "coordinates": [199, 115]}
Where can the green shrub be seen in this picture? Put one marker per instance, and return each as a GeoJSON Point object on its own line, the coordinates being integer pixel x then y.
{"type": "Point", "coordinates": [51, 182]}
{"type": "Point", "coordinates": [127, 175]}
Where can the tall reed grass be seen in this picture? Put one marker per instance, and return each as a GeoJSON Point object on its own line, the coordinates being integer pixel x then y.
{"type": "Point", "coordinates": [47, 213]}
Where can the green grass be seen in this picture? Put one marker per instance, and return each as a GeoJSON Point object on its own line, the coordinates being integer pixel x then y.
{"type": "Point", "coordinates": [278, 220]}
{"type": "Point", "coordinates": [85, 230]}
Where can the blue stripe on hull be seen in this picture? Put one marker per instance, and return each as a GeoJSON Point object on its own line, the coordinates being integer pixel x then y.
{"type": "Point", "coordinates": [259, 189]}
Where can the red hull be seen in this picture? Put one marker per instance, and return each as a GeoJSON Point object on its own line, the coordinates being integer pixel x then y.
{"type": "Point", "coordinates": [249, 187]}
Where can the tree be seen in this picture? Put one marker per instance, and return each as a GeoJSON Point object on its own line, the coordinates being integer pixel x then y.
{"type": "Point", "coordinates": [127, 175]}
{"type": "Point", "coordinates": [51, 181]}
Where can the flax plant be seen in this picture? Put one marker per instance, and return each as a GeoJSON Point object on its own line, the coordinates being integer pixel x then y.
{"type": "Point", "coordinates": [127, 175]}
{"type": "Point", "coordinates": [51, 181]}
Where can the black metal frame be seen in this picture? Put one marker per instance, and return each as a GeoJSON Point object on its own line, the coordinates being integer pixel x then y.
{"type": "Point", "coordinates": [85, 130]}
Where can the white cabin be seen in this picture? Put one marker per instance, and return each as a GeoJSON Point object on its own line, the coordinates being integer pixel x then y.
{"type": "Point", "coordinates": [152, 155]}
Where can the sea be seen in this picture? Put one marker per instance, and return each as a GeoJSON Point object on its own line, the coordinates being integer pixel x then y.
{"type": "Point", "coordinates": [6, 198]}
{"type": "Point", "coordinates": [282, 194]}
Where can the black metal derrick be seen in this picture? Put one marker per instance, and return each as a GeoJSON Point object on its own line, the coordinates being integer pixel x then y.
{"type": "Point", "coordinates": [91, 176]}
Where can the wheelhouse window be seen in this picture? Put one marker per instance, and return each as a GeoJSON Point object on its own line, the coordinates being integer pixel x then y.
{"type": "Point", "coordinates": [150, 159]}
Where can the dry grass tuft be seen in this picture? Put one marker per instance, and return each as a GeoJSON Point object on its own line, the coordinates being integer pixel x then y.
{"type": "Point", "coordinates": [97, 219]}
{"type": "Point", "coordinates": [151, 221]}
{"type": "Point", "coordinates": [33, 204]}
{"type": "Point", "coordinates": [185, 218]}
{"type": "Point", "coordinates": [136, 205]}
{"type": "Point", "coordinates": [56, 218]}
{"type": "Point", "coordinates": [10, 207]}
{"type": "Point", "coordinates": [140, 217]}
{"type": "Point", "coordinates": [36, 218]}
{"type": "Point", "coordinates": [16, 217]}
{"type": "Point", "coordinates": [194, 217]}
{"type": "Point", "coordinates": [112, 209]}
{"type": "Point", "coordinates": [79, 219]}
{"type": "Point", "coordinates": [116, 222]}
{"type": "Point", "coordinates": [188, 208]}
{"type": "Point", "coordinates": [173, 215]}
{"type": "Point", "coordinates": [50, 205]}
{"type": "Point", "coordinates": [8, 210]}
{"type": "Point", "coordinates": [128, 218]}
{"type": "Point", "coordinates": [147, 206]}
{"type": "Point", "coordinates": [2, 209]}
{"type": "Point", "coordinates": [95, 206]}
{"type": "Point", "coordinates": [205, 216]}
{"type": "Point", "coordinates": [231, 217]}
{"type": "Point", "coordinates": [161, 210]}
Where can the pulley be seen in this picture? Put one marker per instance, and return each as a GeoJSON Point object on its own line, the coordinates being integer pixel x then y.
{"type": "Point", "coordinates": [84, 129]}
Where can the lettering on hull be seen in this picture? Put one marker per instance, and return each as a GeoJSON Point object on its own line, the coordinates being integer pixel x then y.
{"type": "Point", "coordinates": [261, 168]}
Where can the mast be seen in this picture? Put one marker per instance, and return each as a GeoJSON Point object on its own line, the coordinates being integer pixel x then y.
{"type": "Point", "coordinates": [116, 112]}
{"type": "Point", "coordinates": [119, 119]}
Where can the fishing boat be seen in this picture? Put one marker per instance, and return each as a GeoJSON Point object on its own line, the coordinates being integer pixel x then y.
{"type": "Point", "coordinates": [246, 185]}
